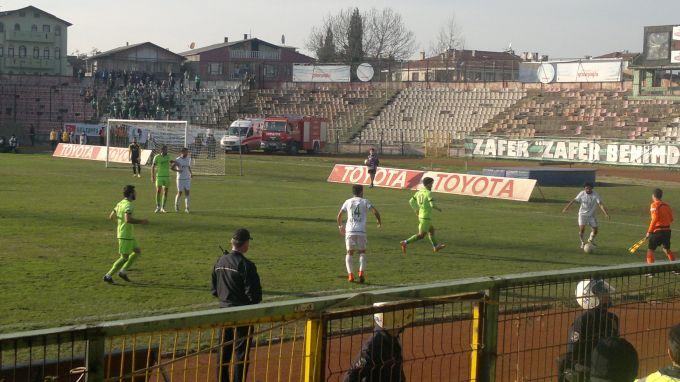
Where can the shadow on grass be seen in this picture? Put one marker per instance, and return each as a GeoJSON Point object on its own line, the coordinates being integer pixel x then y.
{"type": "Point", "coordinates": [479, 256]}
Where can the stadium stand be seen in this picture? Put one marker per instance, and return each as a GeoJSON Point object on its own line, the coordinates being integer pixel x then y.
{"type": "Point", "coordinates": [347, 109]}
{"type": "Point", "coordinates": [210, 106]}
{"type": "Point", "coordinates": [457, 112]}
{"type": "Point", "coordinates": [45, 102]}
{"type": "Point", "coordinates": [588, 114]}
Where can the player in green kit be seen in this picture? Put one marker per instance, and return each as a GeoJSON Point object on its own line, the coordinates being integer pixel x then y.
{"type": "Point", "coordinates": [423, 204]}
{"type": "Point", "coordinates": [127, 245]}
{"type": "Point", "coordinates": [160, 174]}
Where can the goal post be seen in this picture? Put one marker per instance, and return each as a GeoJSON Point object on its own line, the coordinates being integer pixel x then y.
{"type": "Point", "coordinates": [207, 158]}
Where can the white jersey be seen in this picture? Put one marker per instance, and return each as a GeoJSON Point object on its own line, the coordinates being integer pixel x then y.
{"type": "Point", "coordinates": [357, 209]}
{"type": "Point", "coordinates": [589, 203]}
{"type": "Point", "coordinates": [183, 165]}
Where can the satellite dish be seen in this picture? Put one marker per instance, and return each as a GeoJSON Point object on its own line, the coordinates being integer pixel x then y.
{"type": "Point", "coordinates": [192, 45]}
{"type": "Point", "coordinates": [365, 72]}
{"type": "Point", "coordinates": [546, 73]}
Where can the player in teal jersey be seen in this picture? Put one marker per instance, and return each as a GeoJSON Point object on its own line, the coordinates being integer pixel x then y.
{"type": "Point", "coordinates": [160, 175]}
{"type": "Point", "coordinates": [423, 204]}
{"type": "Point", "coordinates": [127, 245]}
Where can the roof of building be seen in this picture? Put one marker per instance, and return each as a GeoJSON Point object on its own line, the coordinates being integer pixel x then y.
{"type": "Point", "coordinates": [232, 43]}
{"type": "Point", "coordinates": [455, 55]}
{"type": "Point", "coordinates": [33, 9]}
{"type": "Point", "coordinates": [132, 46]}
{"type": "Point", "coordinates": [627, 56]}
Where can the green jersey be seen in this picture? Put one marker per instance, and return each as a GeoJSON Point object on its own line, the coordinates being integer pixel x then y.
{"type": "Point", "coordinates": [162, 162]}
{"type": "Point", "coordinates": [423, 202]}
{"type": "Point", "coordinates": [125, 230]}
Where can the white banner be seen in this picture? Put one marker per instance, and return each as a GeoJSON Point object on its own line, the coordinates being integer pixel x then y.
{"type": "Point", "coordinates": [592, 71]}
{"type": "Point", "coordinates": [675, 56]}
{"type": "Point", "coordinates": [98, 153]}
{"type": "Point", "coordinates": [89, 129]}
{"type": "Point", "coordinates": [574, 150]}
{"type": "Point", "coordinates": [321, 73]}
{"type": "Point", "coordinates": [676, 33]}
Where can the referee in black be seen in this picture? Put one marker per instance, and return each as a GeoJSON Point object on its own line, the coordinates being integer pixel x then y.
{"type": "Point", "coordinates": [134, 155]}
{"type": "Point", "coordinates": [235, 282]}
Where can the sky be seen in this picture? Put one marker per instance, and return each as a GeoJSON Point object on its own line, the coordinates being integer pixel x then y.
{"type": "Point", "coordinates": [560, 29]}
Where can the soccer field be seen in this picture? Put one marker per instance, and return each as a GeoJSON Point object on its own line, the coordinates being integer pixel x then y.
{"type": "Point", "coordinates": [57, 241]}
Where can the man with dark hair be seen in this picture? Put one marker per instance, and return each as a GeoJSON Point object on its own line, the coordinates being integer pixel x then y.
{"type": "Point", "coordinates": [596, 323]}
{"type": "Point", "coordinates": [589, 201]}
{"type": "Point", "coordinates": [672, 372]}
{"type": "Point", "coordinates": [355, 230]}
{"type": "Point", "coordinates": [423, 204]}
{"type": "Point", "coordinates": [13, 145]}
{"type": "Point", "coordinates": [381, 358]}
{"type": "Point", "coordinates": [134, 155]}
{"type": "Point", "coordinates": [235, 282]}
{"type": "Point", "coordinates": [614, 360]}
{"type": "Point", "coordinates": [128, 249]}
{"type": "Point", "coordinates": [182, 165]}
{"type": "Point", "coordinates": [659, 231]}
{"type": "Point", "coordinates": [372, 163]}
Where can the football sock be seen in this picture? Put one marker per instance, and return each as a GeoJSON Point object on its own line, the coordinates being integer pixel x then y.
{"type": "Point", "coordinates": [130, 261]}
{"type": "Point", "coordinates": [433, 241]}
{"type": "Point", "coordinates": [580, 237]}
{"type": "Point", "coordinates": [671, 256]}
{"type": "Point", "coordinates": [412, 239]}
{"type": "Point", "coordinates": [117, 265]}
{"type": "Point", "coordinates": [592, 236]}
{"type": "Point", "coordinates": [362, 262]}
{"type": "Point", "coordinates": [177, 201]}
{"type": "Point", "coordinates": [164, 197]}
{"type": "Point", "coordinates": [158, 200]}
{"type": "Point", "coordinates": [650, 256]}
{"type": "Point", "coordinates": [348, 263]}
{"type": "Point", "coordinates": [186, 202]}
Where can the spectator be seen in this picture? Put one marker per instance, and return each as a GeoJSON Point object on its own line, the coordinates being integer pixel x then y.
{"type": "Point", "coordinates": [53, 139]}
{"type": "Point", "coordinates": [83, 138]}
{"type": "Point", "coordinates": [13, 145]}
{"type": "Point", "coordinates": [235, 282]}
{"type": "Point", "coordinates": [72, 137]}
{"type": "Point", "coordinates": [102, 136]}
{"type": "Point", "coordinates": [211, 145]}
{"type": "Point", "coordinates": [672, 372]}
{"type": "Point", "coordinates": [381, 357]}
{"type": "Point", "coordinates": [65, 138]}
{"type": "Point", "coordinates": [31, 135]}
{"type": "Point", "coordinates": [614, 360]}
{"type": "Point", "coordinates": [596, 323]}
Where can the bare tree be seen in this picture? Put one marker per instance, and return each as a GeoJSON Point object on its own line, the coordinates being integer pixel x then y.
{"type": "Point", "coordinates": [449, 36]}
{"type": "Point", "coordinates": [338, 24]}
{"type": "Point", "coordinates": [386, 35]}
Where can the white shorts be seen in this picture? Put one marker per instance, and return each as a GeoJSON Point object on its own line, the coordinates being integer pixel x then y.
{"type": "Point", "coordinates": [183, 184]}
{"type": "Point", "coordinates": [355, 242]}
{"type": "Point", "coordinates": [587, 220]}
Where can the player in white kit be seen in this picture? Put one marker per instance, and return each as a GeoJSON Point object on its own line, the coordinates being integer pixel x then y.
{"type": "Point", "coordinates": [182, 165]}
{"type": "Point", "coordinates": [355, 230]}
{"type": "Point", "coordinates": [589, 201]}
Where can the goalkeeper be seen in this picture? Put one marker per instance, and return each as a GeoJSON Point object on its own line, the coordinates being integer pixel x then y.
{"type": "Point", "coordinates": [423, 203]}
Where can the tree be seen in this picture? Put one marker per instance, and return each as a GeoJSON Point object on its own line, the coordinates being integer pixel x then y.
{"type": "Point", "coordinates": [448, 37]}
{"type": "Point", "coordinates": [338, 25]}
{"type": "Point", "coordinates": [355, 36]}
{"type": "Point", "coordinates": [327, 52]}
{"type": "Point", "coordinates": [386, 35]}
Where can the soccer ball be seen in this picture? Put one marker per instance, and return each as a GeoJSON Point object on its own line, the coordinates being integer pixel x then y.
{"type": "Point", "coordinates": [589, 248]}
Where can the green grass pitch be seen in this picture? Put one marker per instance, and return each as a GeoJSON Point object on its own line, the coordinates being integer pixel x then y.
{"type": "Point", "coordinates": [57, 242]}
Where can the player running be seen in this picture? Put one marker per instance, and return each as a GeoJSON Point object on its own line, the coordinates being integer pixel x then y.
{"type": "Point", "coordinates": [182, 165]}
{"type": "Point", "coordinates": [589, 201]}
{"type": "Point", "coordinates": [128, 249]}
{"type": "Point", "coordinates": [355, 230]}
{"type": "Point", "coordinates": [659, 232]}
{"type": "Point", "coordinates": [160, 175]}
{"type": "Point", "coordinates": [423, 204]}
{"type": "Point", "coordinates": [134, 155]}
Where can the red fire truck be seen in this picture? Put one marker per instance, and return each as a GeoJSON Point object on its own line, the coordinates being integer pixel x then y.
{"type": "Point", "coordinates": [292, 133]}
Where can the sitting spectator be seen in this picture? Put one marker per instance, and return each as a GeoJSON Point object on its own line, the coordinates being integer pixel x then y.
{"type": "Point", "coordinates": [83, 138]}
{"type": "Point", "coordinates": [614, 360]}
{"type": "Point", "coordinates": [13, 145]}
{"type": "Point", "coordinates": [381, 357]}
{"type": "Point", "coordinates": [672, 372]}
{"type": "Point", "coordinates": [593, 325]}
{"type": "Point", "coordinates": [53, 139]}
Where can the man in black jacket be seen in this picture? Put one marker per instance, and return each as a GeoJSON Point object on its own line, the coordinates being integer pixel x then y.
{"type": "Point", "coordinates": [381, 358]}
{"type": "Point", "coordinates": [235, 282]}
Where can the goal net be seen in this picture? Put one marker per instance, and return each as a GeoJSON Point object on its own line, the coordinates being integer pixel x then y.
{"type": "Point", "coordinates": [207, 158]}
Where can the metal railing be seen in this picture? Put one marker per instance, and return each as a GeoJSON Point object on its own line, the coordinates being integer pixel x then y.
{"type": "Point", "coordinates": [503, 328]}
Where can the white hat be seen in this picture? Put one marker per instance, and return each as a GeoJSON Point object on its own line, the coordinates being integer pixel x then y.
{"type": "Point", "coordinates": [393, 319]}
{"type": "Point", "coordinates": [588, 292]}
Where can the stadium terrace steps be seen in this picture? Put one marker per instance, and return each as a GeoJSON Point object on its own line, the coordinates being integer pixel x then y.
{"type": "Point", "coordinates": [449, 111]}
{"type": "Point", "coordinates": [347, 110]}
{"type": "Point", "coordinates": [588, 114]}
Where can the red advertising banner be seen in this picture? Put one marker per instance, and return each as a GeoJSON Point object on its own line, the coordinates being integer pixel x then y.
{"type": "Point", "coordinates": [449, 183]}
{"type": "Point", "coordinates": [89, 152]}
